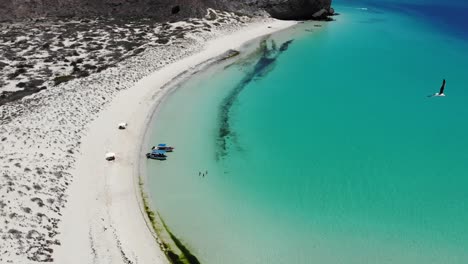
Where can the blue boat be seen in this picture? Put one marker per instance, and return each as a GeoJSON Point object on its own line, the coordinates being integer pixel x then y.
{"type": "Point", "coordinates": [164, 147]}
{"type": "Point", "coordinates": [157, 154]}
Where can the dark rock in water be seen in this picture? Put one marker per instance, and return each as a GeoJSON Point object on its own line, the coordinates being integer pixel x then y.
{"type": "Point", "coordinates": [268, 56]}
{"type": "Point", "coordinates": [320, 14]}
{"type": "Point", "coordinates": [161, 9]}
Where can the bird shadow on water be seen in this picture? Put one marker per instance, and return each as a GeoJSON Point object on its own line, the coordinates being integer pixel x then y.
{"type": "Point", "coordinates": [256, 67]}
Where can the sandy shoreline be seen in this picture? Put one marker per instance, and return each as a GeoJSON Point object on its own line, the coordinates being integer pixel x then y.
{"type": "Point", "coordinates": [102, 222]}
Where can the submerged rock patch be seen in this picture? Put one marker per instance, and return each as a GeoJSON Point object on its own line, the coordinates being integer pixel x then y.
{"type": "Point", "coordinates": [268, 54]}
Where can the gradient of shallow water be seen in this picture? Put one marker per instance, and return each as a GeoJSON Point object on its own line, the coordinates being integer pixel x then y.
{"type": "Point", "coordinates": [331, 154]}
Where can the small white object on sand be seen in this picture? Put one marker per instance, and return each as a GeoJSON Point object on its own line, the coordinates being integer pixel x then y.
{"type": "Point", "coordinates": [110, 156]}
{"type": "Point", "coordinates": [123, 125]}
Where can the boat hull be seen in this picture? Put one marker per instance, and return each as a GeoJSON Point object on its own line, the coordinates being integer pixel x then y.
{"type": "Point", "coordinates": [155, 157]}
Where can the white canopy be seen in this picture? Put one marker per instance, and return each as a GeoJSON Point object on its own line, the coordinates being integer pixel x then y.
{"type": "Point", "coordinates": [110, 155]}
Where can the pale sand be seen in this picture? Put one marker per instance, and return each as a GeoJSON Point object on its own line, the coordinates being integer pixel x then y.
{"type": "Point", "coordinates": [103, 220]}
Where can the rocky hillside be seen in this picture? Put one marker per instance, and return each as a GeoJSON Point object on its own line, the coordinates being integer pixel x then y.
{"type": "Point", "coordinates": [161, 9]}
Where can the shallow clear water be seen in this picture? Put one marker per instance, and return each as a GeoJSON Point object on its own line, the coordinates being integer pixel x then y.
{"type": "Point", "coordinates": [331, 154]}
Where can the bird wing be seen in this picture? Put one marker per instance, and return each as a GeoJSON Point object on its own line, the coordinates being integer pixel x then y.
{"type": "Point", "coordinates": [442, 88]}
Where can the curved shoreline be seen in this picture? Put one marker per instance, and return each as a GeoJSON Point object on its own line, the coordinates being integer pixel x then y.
{"type": "Point", "coordinates": [166, 240]}
{"type": "Point", "coordinates": [162, 234]}
{"type": "Point", "coordinates": [109, 225]}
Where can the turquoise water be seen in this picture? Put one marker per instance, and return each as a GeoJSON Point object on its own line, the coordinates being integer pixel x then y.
{"type": "Point", "coordinates": [326, 150]}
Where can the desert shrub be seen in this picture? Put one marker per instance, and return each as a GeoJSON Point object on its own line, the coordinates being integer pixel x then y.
{"type": "Point", "coordinates": [90, 67]}
{"type": "Point", "coordinates": [34, 83]}
{"type": "Point", "coordinates": [62, 79]}
{"type": "Point", "coordinates": [162, 41]}
{"type": "Point", "coordinates": [17, 73]}
{"type": "Point", "coordinates": [175, 10]}
{"type": "Point", "coordinates": [138, 51]}
{"type": "Point", "coordinates": [127, 45]}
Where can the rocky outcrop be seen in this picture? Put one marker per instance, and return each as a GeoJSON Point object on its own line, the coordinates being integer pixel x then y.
{"type": "Point", "coordinates": [299, 9]}
{"type": "Point", "coordinates": [161, 9]}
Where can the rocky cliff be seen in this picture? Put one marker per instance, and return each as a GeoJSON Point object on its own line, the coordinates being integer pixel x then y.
{"type": "Point", "coordinates": [161, 9]}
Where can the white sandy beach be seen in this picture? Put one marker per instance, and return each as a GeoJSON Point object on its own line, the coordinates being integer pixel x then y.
{"type": "Point", "coordinates": [60, 200]}
{"type": "Point", "coordinates": [103, 221]}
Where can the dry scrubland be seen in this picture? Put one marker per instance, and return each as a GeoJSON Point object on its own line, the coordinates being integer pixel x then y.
{"type": "Point", "coordinates": [41, 54]}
